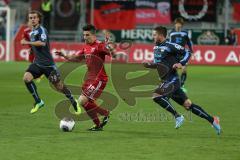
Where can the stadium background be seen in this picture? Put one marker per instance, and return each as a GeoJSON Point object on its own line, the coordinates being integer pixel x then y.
{"type": "Point", "coordinates": [138, 131]}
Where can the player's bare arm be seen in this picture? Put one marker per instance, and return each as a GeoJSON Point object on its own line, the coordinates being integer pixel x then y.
{"type": "Point", "coordinates": [35, 43]}
{"type": "Point", "coordinates": [111, 46]}
{"type": "Point", "coordinates": [72, 58]}
{"type": "Point", "coordinates": [112, 49]}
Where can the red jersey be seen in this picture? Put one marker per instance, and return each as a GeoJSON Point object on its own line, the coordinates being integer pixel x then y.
{"type": "Point", "coordinates": [26, 36]}
{"type": "Point", "coordinates": [94, 55]}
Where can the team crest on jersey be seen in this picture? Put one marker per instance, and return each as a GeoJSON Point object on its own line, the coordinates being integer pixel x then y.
{"type": "Point", "coordinates": [43, 36]}
{"type": "Point", "coordinates": [161, 48]}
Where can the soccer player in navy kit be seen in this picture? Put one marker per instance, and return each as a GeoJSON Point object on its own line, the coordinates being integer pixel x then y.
{"type": "Point", "coordinates": [180, 36]}
{"type": "Point", "coordinates": [166, 61]}
{"type": "Point", "coordinates": [43, 63]}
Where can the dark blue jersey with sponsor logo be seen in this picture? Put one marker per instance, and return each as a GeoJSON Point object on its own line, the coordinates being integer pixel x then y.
{"type": "Point", "coordinates": [181, 38]}
{"type": "Point", "coordinates": [167, 54]}
{"type": "Point", "coordinates": [42, 54]}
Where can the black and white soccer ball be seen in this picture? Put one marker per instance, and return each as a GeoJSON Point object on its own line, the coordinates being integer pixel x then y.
{"type": "Point", "coordinates": [67, 124]}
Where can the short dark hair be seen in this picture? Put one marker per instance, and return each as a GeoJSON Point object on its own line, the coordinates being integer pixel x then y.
{"type": "Point", "coordinates": [161, 30]}
{"type": "Point", "coordinates": [39, 14]}
{"type": "Point", "coordinates": [89, 27]}
{"type": "Point", "coordinates": [179, 20]}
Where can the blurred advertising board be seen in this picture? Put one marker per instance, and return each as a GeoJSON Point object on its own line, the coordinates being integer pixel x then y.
{"type": "Point", "coordinates": [139, 52]}
{"type": "Point", "coordinates": [198, 37]}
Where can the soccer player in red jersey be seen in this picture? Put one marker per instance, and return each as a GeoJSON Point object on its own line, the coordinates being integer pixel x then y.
{"type": "Point", "coordinates": [26, 36]}
{"type": "Point", "coordinates": [94, 53]}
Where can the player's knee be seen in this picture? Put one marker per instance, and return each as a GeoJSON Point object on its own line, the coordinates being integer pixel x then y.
{"type": "Point", "coordinates": [187, 104]}
{"type": "Point", "coordinates": [155, 97]}
{"type": "Point", "coordinates": [59, 86]}
{"type": "Point", "coordinates": [184, 69]}
{"type": "Point", "coordinates": [83, 100]}
{"type": "Point", "coordinates": [159, 99]}
{"type": "Point", "coordinates": [54, 77]}
{"type": "Point", "coordinates": [27, 77]}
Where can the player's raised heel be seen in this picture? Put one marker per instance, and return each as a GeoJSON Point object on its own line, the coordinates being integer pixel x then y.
{"type": "Point", "coordinates": [216, 125]}
{"type": "Point", "coordinates": [95, 128]}
{"type": "Point", "coordinates": [37, 106]}
{"type": "Point", "coordinates": [179, 121]}
{"type": "Point", "coordinates": [78, 110]}
{"type": "Point", "coordinates": [105, 120]}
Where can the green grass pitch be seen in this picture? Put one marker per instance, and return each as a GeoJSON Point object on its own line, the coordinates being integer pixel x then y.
{"type": "Point", "coordinates": [24, 136]}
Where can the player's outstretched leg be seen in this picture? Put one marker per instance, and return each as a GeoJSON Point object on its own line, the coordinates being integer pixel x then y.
{"type": "Point", "coordinates": [54, 78]}
{"type": "Point", "coordinates": [164, 102]}
{"type": "Point", "coordinates": [183, 79]}
{"type": "Point", "coordinates": [90, 108]}
{"type": "Point", "coordinates": [102, 112]}
{"type": "Point", "coordinates": [32, 88]}
{"type": "Point", "coordinates": [92, 113]}
{"type": "Point", "coordinates": [74, 102]}
{"type": "Point", "coordinates": [197, 110]}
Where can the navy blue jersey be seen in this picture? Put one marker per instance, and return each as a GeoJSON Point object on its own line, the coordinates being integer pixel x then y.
{"type": "Point", "coordinates": [181, 38]}
{"type": "Point", "coordinates": [167, 54]}
{"type": "Point", "coordinates": [42, 54]}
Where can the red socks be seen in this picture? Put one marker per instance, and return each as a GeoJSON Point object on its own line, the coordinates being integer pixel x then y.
{"type": "Point", "coordinates": [92, 110]}
{"type": "Point", "coordinates": [99, 110]}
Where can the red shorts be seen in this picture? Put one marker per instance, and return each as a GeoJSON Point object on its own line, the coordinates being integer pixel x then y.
{"type": "Point", "coordinates": [93, 89]}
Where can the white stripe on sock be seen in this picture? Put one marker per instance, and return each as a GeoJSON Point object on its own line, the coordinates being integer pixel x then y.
{"type": "Point", "coordinates": [168, 104]}
{"type": "Point", "coordinates": [34, 92]}
{"type": "Point", "coordinates": [201, 112]}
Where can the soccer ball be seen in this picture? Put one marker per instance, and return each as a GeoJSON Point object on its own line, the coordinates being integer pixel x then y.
{"type": "Point", "coordinates": [67, 124]}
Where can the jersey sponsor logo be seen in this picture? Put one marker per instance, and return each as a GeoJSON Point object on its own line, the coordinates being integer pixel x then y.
{"type": "Point", "coordinates": [160, 47]}
{"type": "Point", "coordinates": [35, 32]}
{"type": "Point", "coordinates": [177, 46]}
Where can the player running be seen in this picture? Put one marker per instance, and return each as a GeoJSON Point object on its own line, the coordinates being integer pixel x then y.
{"type": "Point", "coordinates": [26, 36]}
{"type": "Point", "coordinates": [43, 63]}
{"type": "Point", "coordinates": [180, 36]}
{"type": "Point", "coordinates": [93, 53]}
{"type": "Point", "coordinates": [166, 62]}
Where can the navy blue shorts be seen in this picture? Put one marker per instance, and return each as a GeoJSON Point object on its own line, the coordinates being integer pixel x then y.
{"type": "Point", "coordinates": [172, 89]}
{"type": "Point", "coordinates": [50, 72]}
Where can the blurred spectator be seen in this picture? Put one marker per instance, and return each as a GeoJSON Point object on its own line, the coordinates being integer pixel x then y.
{"type": "Point", "coordinates": [4, 2]}
{"type": "Point", "coordinates": [46, 8]}
{"type": "Point", "coordinates": [2, 29]}
{"type": "Point", "coordinates": [231, 38]}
